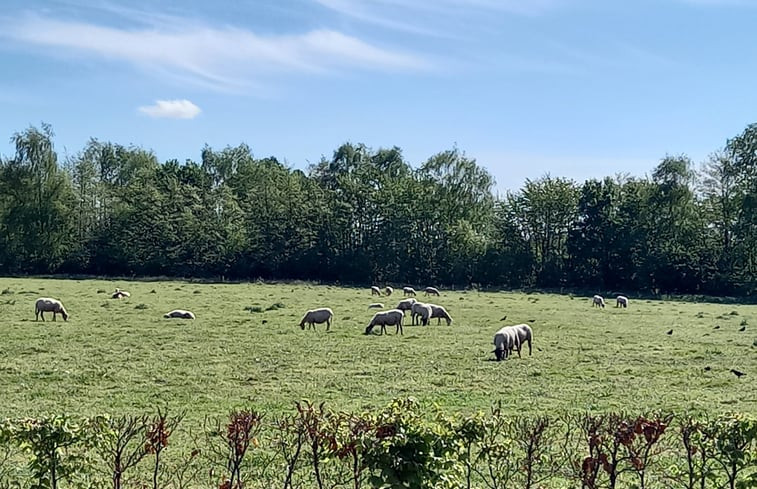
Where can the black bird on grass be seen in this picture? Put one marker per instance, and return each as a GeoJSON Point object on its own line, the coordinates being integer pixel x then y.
{"type": "Point", "coordinates": [717, 327]}
{"type": "Point", "coordinates": [737, 373]}
{"type": "Point", "coordinates": [707, 368]}
{"type": "Point", "coordinates": [504, 317]}
{"type": "Point", "coordinates": [669, 332]}
{"type": "Point", "coordinates": [743, 328]}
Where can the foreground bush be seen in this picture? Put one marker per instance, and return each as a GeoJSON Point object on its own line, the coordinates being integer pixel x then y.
{"type": "Point", "coordinates": [405, 445]}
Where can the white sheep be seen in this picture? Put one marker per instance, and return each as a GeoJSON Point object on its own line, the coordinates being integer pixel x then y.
{"type": "Point", "coordinates": [45, 304]}
{"type": "Point", "coordinates": [598, 301]}
{"type": "Point", "coordinates": [408, 291]}
{"type": "Point", "coordinates": [505, 340]}
{"type": "Point", "coordinates": [406, 305]}
{"type": "Point", "coordinates": [392, 317]}
{"type": "Point", "coordinates": [525, 335]}
{"type": "Point", "coordinates": [621, 300]}
{"type": "Point", "coordinates": [431, 291]}
{"type": "Point", "coordinates": [422, 311]}
{"type": "Point", "coordinates": [179, 314]}
{"type": "Point", "coordinates": [440, 313]}
{"type": "Point", "coordinates": [375, 290]}
{"type": "Point", "coordinates": [119, 294]}
{"type": "Point", "coordinates": [512, 338]}
{"type": "Point", "coordinates": [388, 290]}
{"type": "Point", "coordinates": [376, 305]}
{"type": "Point", "coordinates": [317, 316]}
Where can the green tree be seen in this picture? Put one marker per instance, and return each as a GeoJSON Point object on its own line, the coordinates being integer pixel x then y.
{"type": "Point", "coordinates": [37, 202]}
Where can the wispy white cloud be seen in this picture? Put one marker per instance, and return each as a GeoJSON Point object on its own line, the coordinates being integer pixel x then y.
{"type": "Point", "coordinates": [171, 109]}
{"type": "Point", "coordinates": [395, 12]}
{"type": "Point", "coordinates": [225, 58]}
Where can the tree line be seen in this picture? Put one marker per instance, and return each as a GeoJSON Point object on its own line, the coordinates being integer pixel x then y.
{"type": "Point", "coordinates": [365, 216]}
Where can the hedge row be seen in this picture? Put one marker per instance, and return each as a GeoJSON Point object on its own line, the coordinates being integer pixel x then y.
{"type": "Point", "coordinates": [405, 445]}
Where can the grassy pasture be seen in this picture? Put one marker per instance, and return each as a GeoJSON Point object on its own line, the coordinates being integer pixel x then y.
{"type": "Point", "coordinates": [118, 356]}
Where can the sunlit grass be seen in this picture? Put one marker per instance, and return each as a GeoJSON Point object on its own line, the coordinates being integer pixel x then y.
{"type": "Point", "coordinates": [245, 348]}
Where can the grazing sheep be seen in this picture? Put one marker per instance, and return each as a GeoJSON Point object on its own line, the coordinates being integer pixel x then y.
{"type": "Point", "coordinates": [598, 301]}
{"type": "Point", "coordinates": [440, 313]}
{"type": "Point", "coordinates": [376, 305]}
{"type": "Point", "coordinates": [431, 291]}
{"type": "Point", "coordinates": [375, 290]}
{"type": "Point", "coordinates": [408, 291]}
{"type": "Point", "coordinates": [119, 294]}
{"type": "Point", "coordinates": [317, 316]}
{"type": "Point", "coordinates": [512, 338]}
{"type": "Point", "coordinates": [422, 311]}
{"type": "Point", "coordinates": [45, 304]}
{"type": "Point", "coordinates": [392, 317]}
{"type": "Point", "coordinates": [505, 340]}
{"type": "Point", "coordinates": [621, 300]}
{"type": "Point", "coordinates": [406, 305]}
{"type": "Point", "coordinates": [180, 314]}
{"type": "Point", "coordinates": [388, 290]}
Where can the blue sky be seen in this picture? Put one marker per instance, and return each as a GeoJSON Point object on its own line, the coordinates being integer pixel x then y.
{"type": "Point", "coordinates": [576, 88]}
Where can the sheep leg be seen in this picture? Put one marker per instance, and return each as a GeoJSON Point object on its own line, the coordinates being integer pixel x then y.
{"type": "Point", "coordinates": [529, 347]}
{"type": "Point", "coordinates": [328, 324]}
{"type": "Point", "coordinates": [54, 320]}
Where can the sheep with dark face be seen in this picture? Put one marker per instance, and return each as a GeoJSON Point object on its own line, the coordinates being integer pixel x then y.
{"type": "Point", "coordinates": [621, 301]}
{"type": "Point", "coordinates": [598, 301]}
{"type": "Point", "coordinates": [512, 338]}
{"type": "Point", "coordinates": [505, 340]}
{"type": "Point", "coordinates": [120, 294]}
{"type": "Point", "coordinates": [392, 317]}
{"type": "Point", "coordinates": [388, 290]}
{"type": "Point", "coordinates": [375, 290]}
{"type": "Point", "coordinates": [440, 313]}
{"type": "Point", "coordinates": [431, 291]}
{"type": "Point", "coordinates": [420, 312]}
{"type": "Point", "coordinates": [179, 314]}
{"type": "Point", "coordinates": [45, 304]}
{"type": "Point", "coordinates": [317, 316]}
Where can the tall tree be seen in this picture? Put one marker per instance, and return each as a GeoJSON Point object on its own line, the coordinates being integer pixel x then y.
{"type": "Point", "coordinates": [38, 203]}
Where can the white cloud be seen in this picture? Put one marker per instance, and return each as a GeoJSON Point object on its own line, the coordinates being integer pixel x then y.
{"type": "Point", "coordinates": [387, 11]}
{"type": "Point", "coordinates": [171, 109]}
{"type": "Point", "coordinates": [225, 58]}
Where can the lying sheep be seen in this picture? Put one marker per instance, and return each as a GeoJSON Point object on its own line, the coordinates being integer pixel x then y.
{"type": "Point", "coordinates": [388, 290]}
{"type": "Point", "coordinates": [375, 290]}
{"type": "Point", "coordinates": [621, 300]}
{"type": "Point", "coordinates": [392, 317]}
{"type": "Point", "coordinates": [422, 311]}
{"type": "Point", "coordinates": [179, 314]}
{"type": "Point", "coordinates": [408, 291]}
{"type": "Point", "coordinates": [317, 316]}
{"type": "Point", "coordinates": [45, 304]}
{"type": "Point", "coordinates": [376, 305]}
{"type": "Point", "coordinates": [119, 294]}
{"type": "Point", "coordinates": [505, 340]}
{"type": "Point", "coordinates": [431, 291]}
{"type": "Point", "coordinates": [598, 301]}
{"type": "Point", "coordinates": [406, 305]}
{"type": "Point", "coordinates": [440, 313]}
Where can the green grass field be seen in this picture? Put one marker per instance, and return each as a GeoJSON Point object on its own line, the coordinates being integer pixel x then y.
{"type": "Point", "coordinates": [122, 357]}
